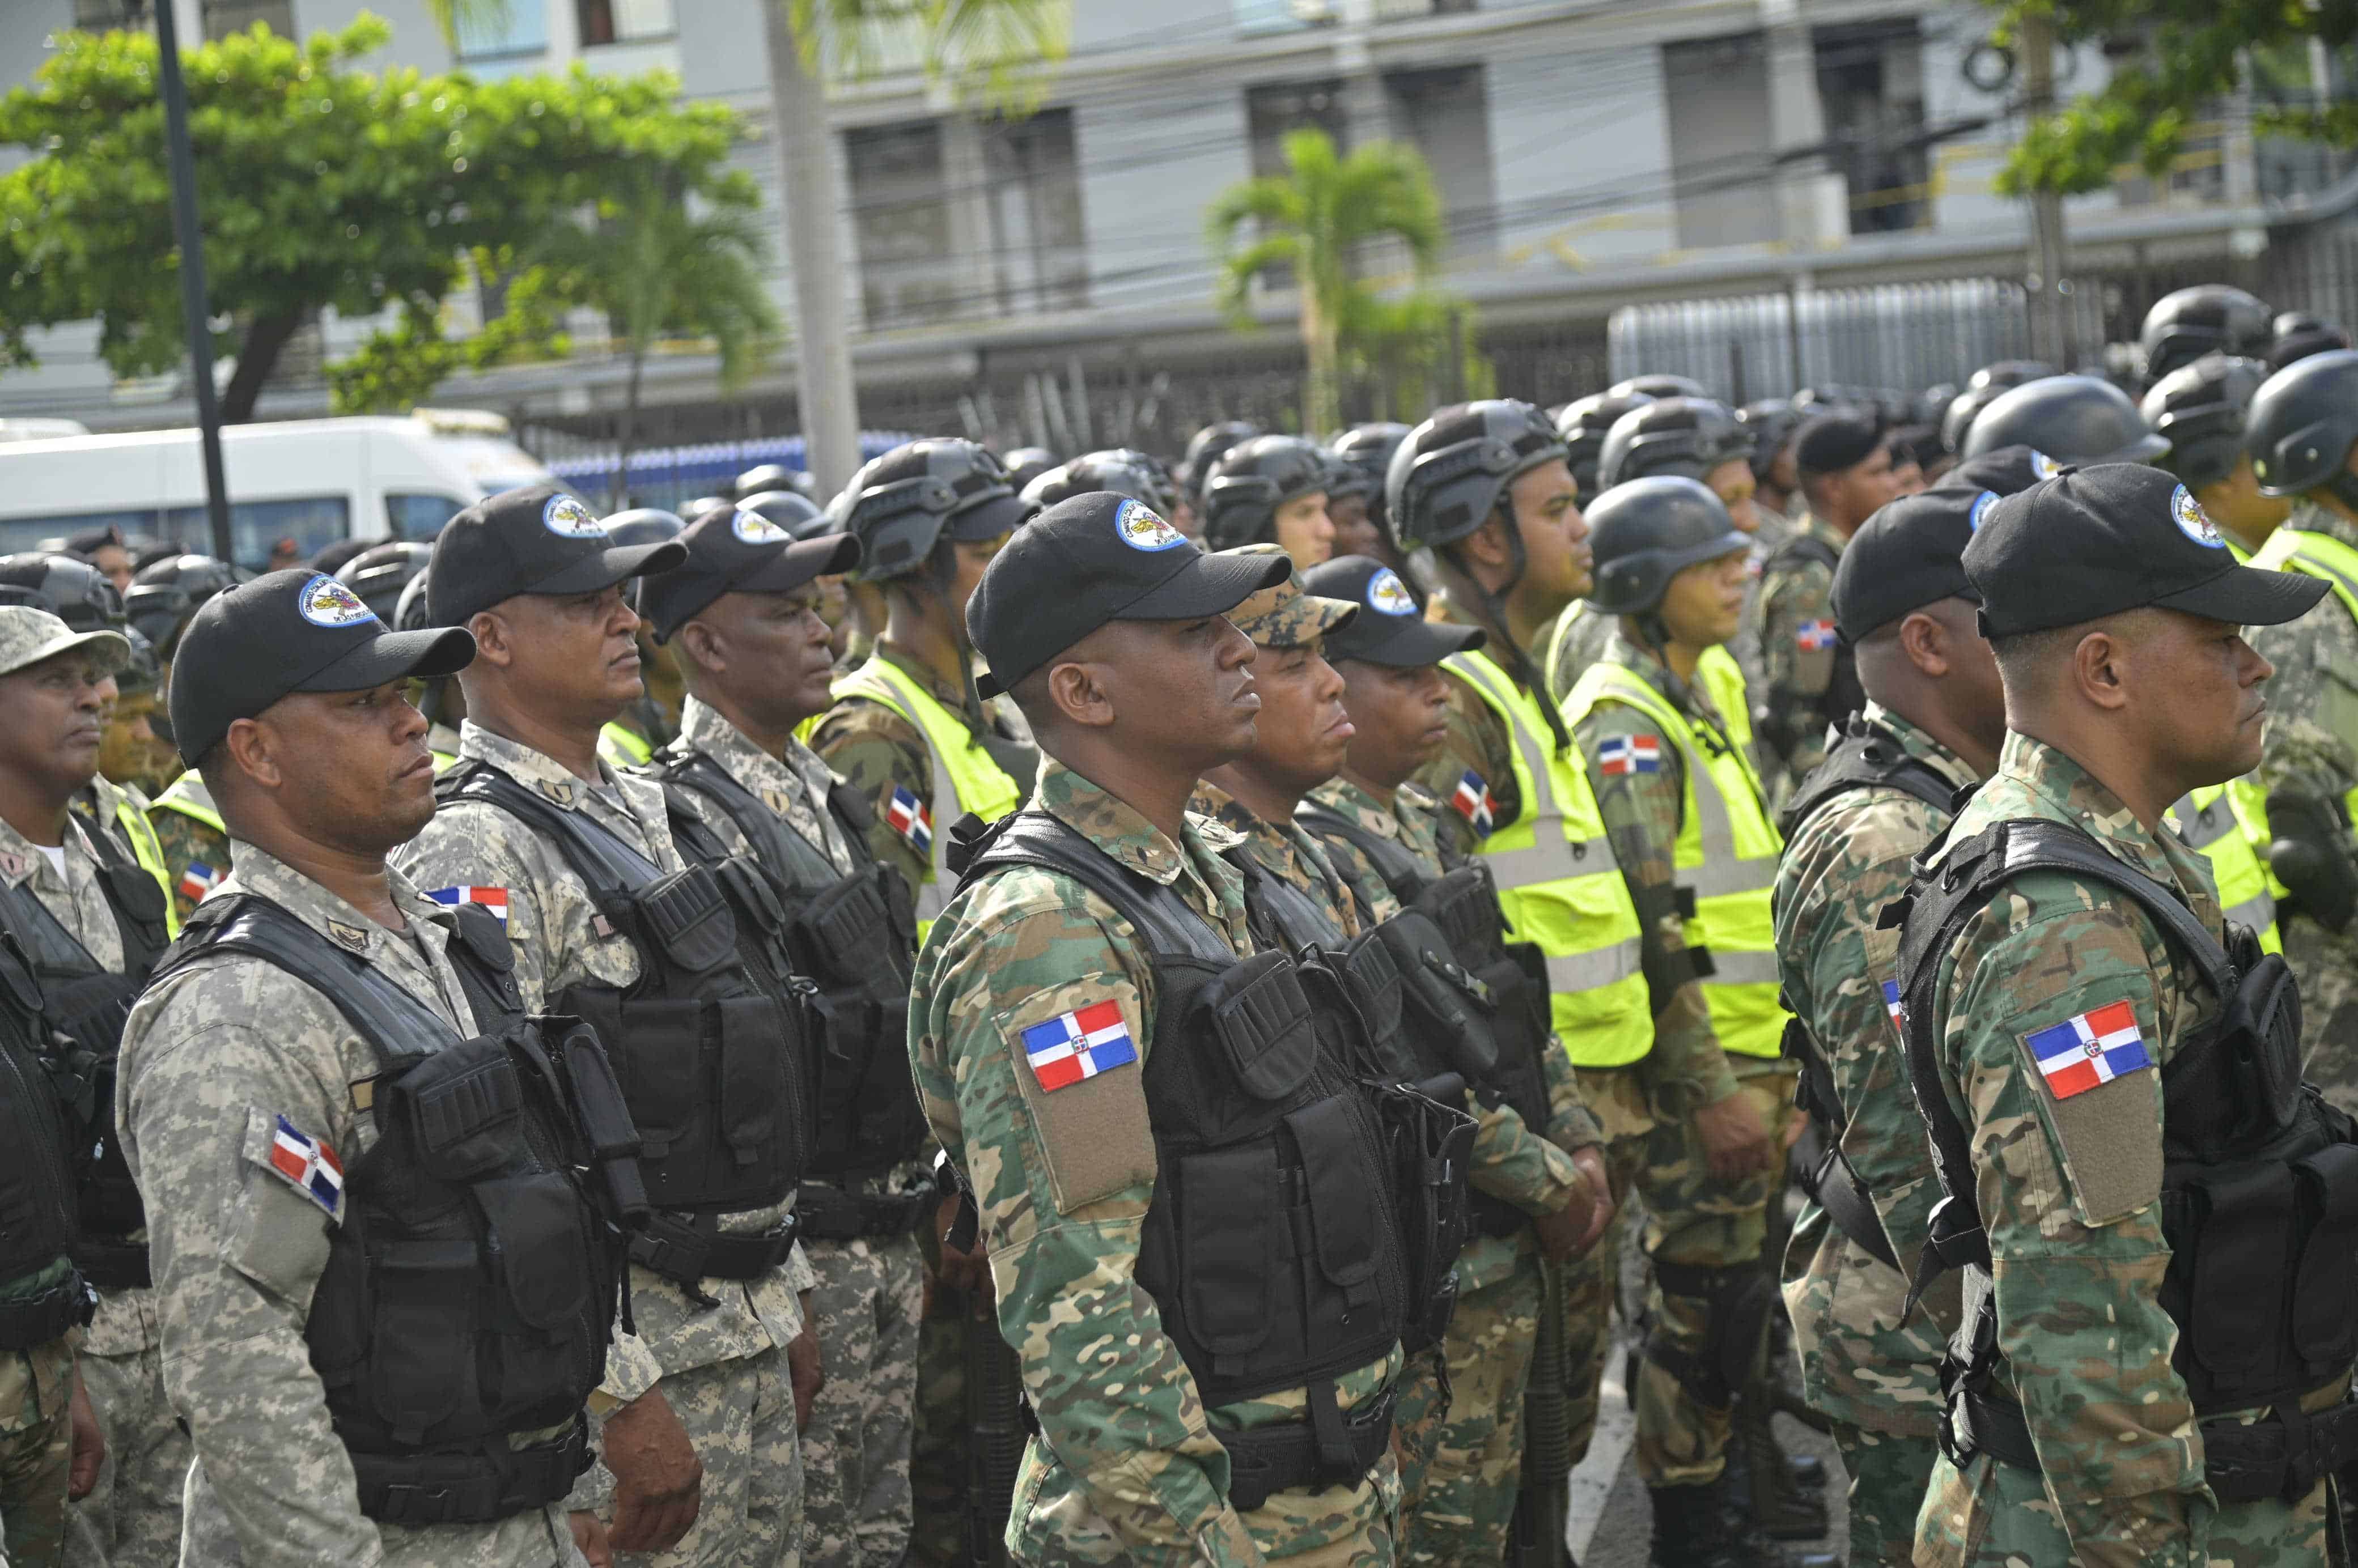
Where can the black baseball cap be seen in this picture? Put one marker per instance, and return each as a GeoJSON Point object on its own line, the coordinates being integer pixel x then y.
{"type": "Point", "coordinates": [732, 550]}
{"type": "Point", "coordinates": [1832, 443]}
{"type": "Point", "coordinates": [2009, 470]}
{"type": "Point", "coordinates": [1906, 556]}
{"type": "Point", "coordinates": [538, 540]}
{"type": "Point", "coordinates": [285, 632]}
{"type": "Point", "coordinates": [2095, 541]}
{"type": "Point", "coordinates": [1390, 627]}
{"type": "Point", "coordinates": [1089, 560]}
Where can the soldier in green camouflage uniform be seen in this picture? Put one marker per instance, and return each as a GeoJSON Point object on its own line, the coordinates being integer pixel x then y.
{"type": "Point", "coordinates": [196, 853]}
{"type": "Point", "coordinates": [1457, 1508]}
{"type": "Point", "coordinates": [1872, 1367]}
{"type": "Point", "coordinates": [2069, 1172]}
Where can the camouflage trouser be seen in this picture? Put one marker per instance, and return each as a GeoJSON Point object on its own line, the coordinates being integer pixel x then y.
{"type": "Point", "coordinates": [856, 1451]}
{"type": "Point", "coordinates": [937, 1433]}
{"type": "Point", "coordinates": [741, 1416]}
{"type": "Point", "coordinates": [1055, 1525]}
{"type": "Point", "coordinates": [132, 1518]}
{"type": "Point", "coordinates": [1422, 1410]}
{"type": "Point", "coordinates": [36, 1451]}
{"type": "Point", "coordinates": [1692, 1219]}
{"type": "Point", "coordinates": [1996, 1515]}
{"type": "Point", "coordinates": [1887, 1489]}
{"type": "Point", "coordinates": [1460, 1511]}
{"type": "Point", "coordinates": [2327, 967]}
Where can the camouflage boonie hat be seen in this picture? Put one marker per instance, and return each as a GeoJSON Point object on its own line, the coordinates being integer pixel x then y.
{"type": "Point", "coordinates": [28, 635]}
{"type": "Point", "coordinates": [1288, 615]}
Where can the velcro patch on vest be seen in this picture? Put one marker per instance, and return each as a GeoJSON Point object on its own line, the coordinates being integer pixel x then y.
{"type": "Point", "coordinates": [1472, 800]}
{"type": "Point", "coordinates": [2092, 1069]}
{"type": "Point", "coordinates": [1625, 754]}
{"type": "Point", "coordinates": [912, 818]}
{"type": "Point", "coordinates": [1076, 1051]}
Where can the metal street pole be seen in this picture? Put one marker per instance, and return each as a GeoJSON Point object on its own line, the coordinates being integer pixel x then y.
{"type": "Point", "coordinates": [191, 239]}
{"type": "Point", "coordinates": [2050, 258]}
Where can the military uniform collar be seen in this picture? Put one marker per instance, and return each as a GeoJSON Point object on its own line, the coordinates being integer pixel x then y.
{"type": "Point", "coordinates": [2077, 797]}
{"type": "Point", "coordinates": [1816, 527]}
{"type": "Point", "coordinates": [2312, 518]}
{"type": "Point", "coordinates": [1117, 828]}
{"type": "Point", "coordinates": [1920, 744]}
{"type": "Point", "coordinates": [1272, 842]}
{"type": "Point", "coordinates": [1342, 796]}
{"type": "Point", "coordinates": [537, 771]}
{"type": "Point", "coordinates": [264, 874]}
{"type": "Point", "coordinates": [22, 860]}
{"type": "Point", "coordinates": [703, 728]}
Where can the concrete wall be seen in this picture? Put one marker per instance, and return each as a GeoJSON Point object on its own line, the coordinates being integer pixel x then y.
{"type": "Point", "coordinates": [1582, 146]}
{"type": "Point", "coordinates": [1144, 185]}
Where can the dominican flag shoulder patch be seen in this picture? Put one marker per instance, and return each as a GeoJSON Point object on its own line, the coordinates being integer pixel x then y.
{"type": "Point", "coordinates": [1816, 636]}
{"type": "Point", "coordinates": [1078, 1044]}
{"type": "Point", "coordinates": [2093, 1048]}
{"type": "Point", "coordinates": [310, 1166]}
{"type": "Point", "coordinates": [1629, 754]}
{"type": "Point", "coordinates": [494, 899]}
{"type": "Point", "coordinates": [1471, 800]}
{"type": "Point", "coordinates": [912, 818]}
{"type": "Point", "coordinates": [199, 879]}
{"type": "Point", "coordinates": [1891, 1004]}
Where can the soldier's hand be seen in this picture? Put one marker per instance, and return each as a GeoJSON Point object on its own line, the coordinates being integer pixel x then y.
{"type": "Point", "coordinates": [658, 1479]}
{"type": "Point", "coordinates": [1560, 1232]}
{"type": "Point", "coordinates": [808, 1371]}
{"type": "Point", "coordinates": [88, 1442]}
{"type": "Point", "coordinates": [968, 1270]}
{"type": "Point", "coordinates": [1600, 1185]}
{"type": "Point", "coordinates": [589, 1539]}
{"type": "Point", "coordinates": [1734, 1141]}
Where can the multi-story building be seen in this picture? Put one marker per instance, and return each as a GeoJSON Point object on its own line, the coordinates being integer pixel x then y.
{"type": "Point", "coordinates": [1049, 277]}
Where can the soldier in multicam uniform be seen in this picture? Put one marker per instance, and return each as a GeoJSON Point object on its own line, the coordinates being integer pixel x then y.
{"type": "Point", "coordinates": [910, 734]}
{"type": "Point", "coordinates": [1546, 1185]}
{"type": "Point", "coordinates": [2302, 431]}
{"type": "Point", "coordinates": [1070, 1061]}
{"type": "Point", "coordinates": [1701, 1122]}
{"type": "Point", "coordinates": [1845, 467]}
{"type": "Point", "coordinates": [298, 1035]}
{"type": "Point", "coordinates": [1933, 724]}
{"type": "Point", "coordinates": [741, 618]}
{"type": "Point", "coordinates": [530, 815]}
{"type": "Point", "coordinates": [2154, 1366]}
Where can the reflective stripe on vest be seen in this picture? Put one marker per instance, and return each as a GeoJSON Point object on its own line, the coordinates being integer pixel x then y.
{"type": "Point", "coordinates": [149, 854]}
{"type": "Point", "coordinates": [1727, 854]}
{"type": "Point", "coordinates": [189, 797]}
{"type": "Point", "coordinates": [2320, 555]}
{"type": "Point", "coordinates": [622, 746]}
{"type": "Point", "coordinates": [964, 774]}
{"type": "Point", "coordinates": [2206, 820]}
{"type": "Point", "coordinates": [1560, 886]}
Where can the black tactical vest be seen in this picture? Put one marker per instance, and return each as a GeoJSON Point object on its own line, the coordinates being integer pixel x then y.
{"type": "Point", "coordinates": [1473, 1003]}
{"type": "Point", "coordinates": [855, 937]}
{"type": "Point", "coordinates": [1843, 694]}
{"type": "Point", "coordinates": [1270, 1266]}
{"type": "Point", "coordinates": [37, 1218]}
{"type": "Point", "coordinates": [470, 1290]}
{"type": "Point", "coordinates": [711, 1040]}
{"type": "Point", "coordinates": [1866, 757]}
{"type": "Point", "coordinates": [2259, 1188]}
{"type": "Point", "coordinates": [88, 1004]}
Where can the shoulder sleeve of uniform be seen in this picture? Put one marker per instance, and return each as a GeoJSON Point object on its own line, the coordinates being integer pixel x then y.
{"type": "Point", "coordinates": [470, 843]}
{"type": "Point", "coordinates": [880, 754]}
{"type": "Point", "coordinates": [1634, 770]}
{"type": "Point", "coordinates": [1472, 775]}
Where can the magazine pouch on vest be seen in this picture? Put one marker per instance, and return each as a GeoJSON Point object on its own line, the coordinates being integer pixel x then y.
{"type": "Point", "coordinates": [471, 1284]}
{"type": "Point", "coordinates": [37, 1224]}
{"type": "Point", "coordinates": [1270, 1267]}
{"type": "Point", "coordinates": [87, 1005]}
{"type": "Point", "coordinates": [709, 1044]}
{"type": "Point", "coordinates": [2259, 1200]}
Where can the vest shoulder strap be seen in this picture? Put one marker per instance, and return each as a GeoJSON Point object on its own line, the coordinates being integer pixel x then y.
{"type": "Point", "coordinates": [1403, 877]}
{"type": "Point", "coordinates": [608, 864]}
{"type": "Point", "coordinates": [1799, 549]}
{"type": "Point", "coordinates": [1868, 757]}
{"type": "Point", "coordinates": [1032, 838]}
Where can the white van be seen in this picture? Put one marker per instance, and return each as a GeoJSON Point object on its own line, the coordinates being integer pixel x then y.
{"type": "Point", "coordinates": [310, 481]}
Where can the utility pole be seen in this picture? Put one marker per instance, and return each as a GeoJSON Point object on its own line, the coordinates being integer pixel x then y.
{"type": "Point", "coordinates": [828, 395]}
{"type": "Point", "coordinates": [191, 239]}
{"type": "Point", "coordinates": [2049, 263]}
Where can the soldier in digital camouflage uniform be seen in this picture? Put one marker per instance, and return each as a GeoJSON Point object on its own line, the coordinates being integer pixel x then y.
{"type": "Point", "coordinates": [1457, 1507]}
{"type": "Point", "coordinates": [1128, 1465]}
{"type": "Point", "coordinates": [741, 618]}
{"type": "Point", "coordinates": [1935, 722]}
{"type": "Point", "coordinates": [531, 568]}
{"type": "Point", "coordinates": [2067, 1162]}
{"type": "Point", "coordinates": [1846, 472]}
{"type": "Point", "coordinates": [219, 1054]}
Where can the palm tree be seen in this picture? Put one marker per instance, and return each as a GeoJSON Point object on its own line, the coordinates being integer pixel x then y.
{"type": "Point", "coordinates": [1313, 219]}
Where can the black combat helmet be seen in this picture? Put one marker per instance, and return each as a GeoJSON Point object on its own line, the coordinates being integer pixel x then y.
{"type": "Point", "coordinates": [2301, 424]}
{"type": "Point", "coordinates": [1583, 423]}
{"type": "Point", "coordinates": [768, 477]}
{"type": "Point", "coordinates": [1660, 385]}
{"type": "Point", "coordinates": [900, 506]}
{"type": "Point", "coordinates": [1685, 436]}
{"type": "Point", "coordinates": [377, 574]}
{"type": "Point", "coordinates": [1252, 481]}
{"type": "Point", "coordinates": [2078, 420]}
{"type": "Point", "coordinates": [70, 588]}
{"type": "Point", "coordinates": [1644, 532]}
{"type": "Point", "coordinates": [2208, 318]}
{"type": "Point", "coordinates": [788, 509]}
{"type": "Point", "coordinates": [2199, 409]}
{"type": "Point", "coordinates": [1451, 472]}
{"type": "Point", "coordinates": [167, 592]}
{"type": "Point", "coordinates": [2004, 373]}
{"type": "Point", "coordinates": [1119, 470]}
{"type": "Point", "coordinates": [1207, 446]}
{"type": "Point", "coordinates": [1025, 464]}
{"type": "Point", "coordinates": [2297, 334]}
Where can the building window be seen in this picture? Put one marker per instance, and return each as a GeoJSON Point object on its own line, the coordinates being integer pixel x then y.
{"type": "Point", "coordinates": [516, 28]}
{"type": "Point", "coordinates": [622, 21]}
{"type": "Point", "coordinates": [1722, 175]}
{"type": "Point", "coordinates": [100, 15]}
{"type": "Point", "coordinates": [1034, 197]}
{"type": "Point", "coordinates": [901, 219]}
{"type": "Point", "coordinates": [223, 17]}
{"type": "Point", "coordinates": [1445, 116]}
{"type": "Point", "coordinates": [1871, 80]}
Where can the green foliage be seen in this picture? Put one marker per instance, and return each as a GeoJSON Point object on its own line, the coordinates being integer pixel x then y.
{"type": "Point", "coordinates": [321, 186]}
{"type": "Point", "coordinates": [986, 47]}
{"type": "Point", "coordinates": [1315, 219]}
{"type": "Point", "coordinates": [2184, 60]}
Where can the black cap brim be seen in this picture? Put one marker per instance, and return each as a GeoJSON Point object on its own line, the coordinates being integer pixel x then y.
{"type": "Point", "coordinates": [2247, 596]}
{"type": "Point", "coordinates": [798, 563]}
{"type": "Point", "coordinates": [395, 655]}
{"type": "Point", "coordinates": [990, 519]}
{"type": "Point", "coordinates": [1409, 643]}
{"type": "Point", "coordinates": [1207, 585]}
{"type": "Point", "coordinates": [2144, 450]}
{"type": "Point", "coordinates": [593, 574]}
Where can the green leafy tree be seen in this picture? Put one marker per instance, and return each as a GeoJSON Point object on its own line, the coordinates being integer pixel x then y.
{"type": "Point", "coordinates": [320, 187]}
{"type": "Point", "coordinates": [1315, 219]}
{"type": "Point", "coordinates": [2173, 60]}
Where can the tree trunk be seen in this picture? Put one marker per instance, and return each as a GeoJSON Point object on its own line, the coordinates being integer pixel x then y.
{"type": "Point", "coordinates": [256, 355]}
{"type": "Point", "coordinates": [626, 429]}
{"type": "Point", "coordinates": [1322, 406]}
{"type": "Point", "coordinates": [829, 399]}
